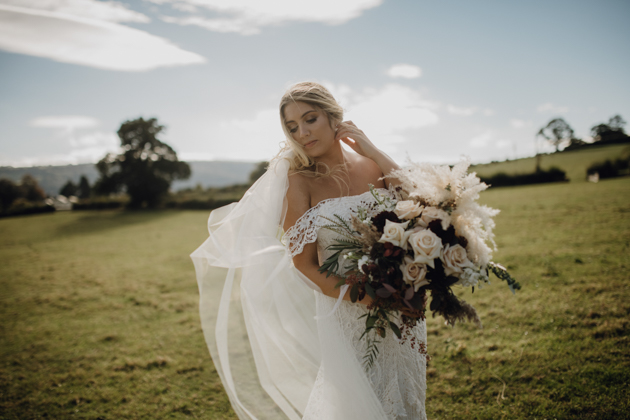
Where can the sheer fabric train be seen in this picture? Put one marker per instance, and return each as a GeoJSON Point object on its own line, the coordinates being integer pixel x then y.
{"type": "Point", "coordinates": [258, 315]}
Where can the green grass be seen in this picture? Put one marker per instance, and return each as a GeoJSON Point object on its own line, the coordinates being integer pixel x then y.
{"type": "Point", "coordinates": [99, 315]}
{"type": "Point", "coordinates": [574, 162]}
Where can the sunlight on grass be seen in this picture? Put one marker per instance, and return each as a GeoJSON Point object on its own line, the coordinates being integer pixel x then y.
{"type": "Point", "coordinates": [99, 315]}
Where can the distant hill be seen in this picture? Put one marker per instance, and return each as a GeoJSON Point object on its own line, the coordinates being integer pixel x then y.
{"type": "Point", "coordinates": [206, 173]}
{"type": "Point", "coordinates": [573, 162]}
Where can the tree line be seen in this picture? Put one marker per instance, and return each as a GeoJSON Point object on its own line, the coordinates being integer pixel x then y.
{"type": "Point", "coordinates": [143, 170]}
{"type": "Point", "coordinates": [558, 132]}
{"type": "Point", "coordinates": [145, 167]}
{"type": "Point", "coordinates": [27, 190]}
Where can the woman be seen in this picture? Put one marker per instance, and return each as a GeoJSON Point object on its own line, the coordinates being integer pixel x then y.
{"type": "Point", "coordinates": [282, 350]}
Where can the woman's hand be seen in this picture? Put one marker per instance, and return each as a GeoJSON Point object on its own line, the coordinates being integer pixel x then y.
{"type": "Point", "coordinates": [351, 135]}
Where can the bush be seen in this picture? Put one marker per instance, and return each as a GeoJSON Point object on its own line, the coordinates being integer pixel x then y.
{"type": "Point", "coordinates": [22, 207]}
{"type": "Point", "coordinates": [101, 203]}
{"type": "Point", "coordinates": [610, 168]}
{"type": "Point", "coordinates": [196, 204]}
{"type": "Point", "coordinates": [502, 179]}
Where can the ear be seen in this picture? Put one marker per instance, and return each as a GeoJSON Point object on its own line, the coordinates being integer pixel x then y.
{"type": "Point", "coordinates": [333, 122]}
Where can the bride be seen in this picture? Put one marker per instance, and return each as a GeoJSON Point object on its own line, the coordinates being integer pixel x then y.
{"type": "Point", "coordinates": [286, 342]}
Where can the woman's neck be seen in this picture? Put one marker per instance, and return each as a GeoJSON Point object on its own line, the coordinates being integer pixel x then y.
{"type": "Point", "coordinates": [334, 157]}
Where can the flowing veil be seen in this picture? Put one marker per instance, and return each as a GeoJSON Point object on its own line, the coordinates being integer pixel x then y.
{"type": "Point", "coordinates": [258, 315]}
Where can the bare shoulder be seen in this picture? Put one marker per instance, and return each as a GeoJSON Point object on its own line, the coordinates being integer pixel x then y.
{"type": "Point", "coordinates": [298, 199]}
{"type": "Point", "coordinates": [368, 170]}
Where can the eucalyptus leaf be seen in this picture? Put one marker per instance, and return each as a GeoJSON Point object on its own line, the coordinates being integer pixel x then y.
{"type": "Point", "coordinates": [370, 291]}
{"type": "Point", "coordinates": [396, 330]}
{"type": "Point", "coordinates": [354, 293]}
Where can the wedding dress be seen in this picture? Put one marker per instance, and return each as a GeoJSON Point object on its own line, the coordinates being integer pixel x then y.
{"type": "Point", "coordinates": [282, 349]}
{"type": "Point", "coordinates": [398, 375]}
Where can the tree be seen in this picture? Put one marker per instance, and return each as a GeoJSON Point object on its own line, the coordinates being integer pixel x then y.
{"type": "Point", "coordinates": [609, 132]}
{"type": "Point", "coordinates": [9, 192]}
{"type": "Point", "coordinates": [258, 171]}
{"type": "Point", "coordinates": [556, 132]}
{"type": "Point", "coordinates": [84, 190]}
{"type": "Point", "coordinates": [68, 189]}
{"type": "Point", "coordinates": [144, 169]}
{"type": "Point", "coordinates": [31, 189]}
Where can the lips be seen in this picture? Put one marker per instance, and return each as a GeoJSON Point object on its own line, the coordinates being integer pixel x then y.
{"type": "Point", "coordinates": [310, 144]}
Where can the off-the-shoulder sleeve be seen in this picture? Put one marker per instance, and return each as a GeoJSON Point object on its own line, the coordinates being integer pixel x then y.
{"type": "Point", "coordinates": [303, 232]}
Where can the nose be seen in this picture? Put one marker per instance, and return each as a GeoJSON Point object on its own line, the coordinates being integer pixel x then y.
{"type": "Point", "coordinates": [303, 131]}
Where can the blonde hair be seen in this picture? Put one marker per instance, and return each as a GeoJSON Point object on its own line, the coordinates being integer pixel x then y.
{"type": "Point", "coordinates": [319, 97]}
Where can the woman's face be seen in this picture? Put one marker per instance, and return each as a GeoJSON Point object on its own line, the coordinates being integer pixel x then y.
{"type": "Point", "coordinates": [309, 126]}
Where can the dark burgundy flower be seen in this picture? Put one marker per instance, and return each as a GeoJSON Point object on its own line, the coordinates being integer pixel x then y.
{"type": "Point", "coordinates": [378, 221]}
{"type": "Point", "coordinates": [447, 236]}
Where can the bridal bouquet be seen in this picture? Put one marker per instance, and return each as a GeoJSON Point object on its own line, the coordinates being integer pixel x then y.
{"type": "Point", "coordinates": [424, 236]}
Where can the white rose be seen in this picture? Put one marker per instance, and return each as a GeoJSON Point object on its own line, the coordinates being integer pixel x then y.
{"type": "Point", "coordinates": [394, 233]}
{"type": "Point", "coordinates": [426, 246]}
{"type": "Point", "coordinates": [430, 214]}
{"type": "Point", "coordinates": [455, 259]}
{"type": "Point", "coordinates": [407, 209]}
{"type": "Point", "coordinates": [414, 273]}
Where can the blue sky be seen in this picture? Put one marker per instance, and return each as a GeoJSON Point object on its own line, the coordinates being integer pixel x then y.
{"type": "Point", "coordinates": [426, 80]}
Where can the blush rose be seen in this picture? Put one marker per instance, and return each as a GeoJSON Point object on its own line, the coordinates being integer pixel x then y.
{"type": "Point", "coordinates": [394, 233]}
{"type": "Point", "coordinates": [455, 260]}
{"type": "Point", "coordinates": [414, 273]}
{"type": "Point", "coordinates": [407, 209]}
{"type": "Point", "coordinates": [426, 246]}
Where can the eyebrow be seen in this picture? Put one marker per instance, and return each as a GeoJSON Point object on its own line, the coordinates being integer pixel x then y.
{"type": "Point", "coordinates": [302, 116]}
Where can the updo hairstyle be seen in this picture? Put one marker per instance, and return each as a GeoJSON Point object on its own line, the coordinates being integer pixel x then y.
{"type": "Point", "coordinates": [319, 97]}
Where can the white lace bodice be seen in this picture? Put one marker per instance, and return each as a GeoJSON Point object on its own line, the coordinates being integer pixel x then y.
{"type": "Point", "coordinates": [308, 228]}
{"type": "Point", "coordinates": [398, 375]}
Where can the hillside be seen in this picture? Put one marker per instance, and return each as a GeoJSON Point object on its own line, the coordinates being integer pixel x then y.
{"type": "Point", "coordinates": [208, 174]}
{"type": "Point", "coordinates": [224, 173]}
{"type": "Point", "coordinates": [101, 318]}
{"type": "Point", "coordinates": [573, 162]}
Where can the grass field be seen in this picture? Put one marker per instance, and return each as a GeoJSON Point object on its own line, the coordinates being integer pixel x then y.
{"type": "Point", "coordinates": [574, 162]}
{"type": "Point", "coordinates": [99, 316]}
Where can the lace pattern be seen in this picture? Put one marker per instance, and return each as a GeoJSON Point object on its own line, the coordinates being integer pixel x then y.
{"type": "Point", "coordinates": [306, 228]}
{"type": "Point", "coordinates": [398, 375]}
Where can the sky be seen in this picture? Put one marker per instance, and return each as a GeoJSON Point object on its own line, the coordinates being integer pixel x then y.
{"type": "Point", "coordinates": [425, 80]}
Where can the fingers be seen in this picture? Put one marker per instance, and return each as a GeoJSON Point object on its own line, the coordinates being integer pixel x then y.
{"type": "Point", "coordinates": [348, 129]}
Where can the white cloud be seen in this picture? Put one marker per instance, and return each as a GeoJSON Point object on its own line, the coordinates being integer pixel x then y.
{"type": "Point", "coordinates": [248, 17]}
{"type": "Point", "coordinates": [481, 140]}
{"type": "Point", "coordinates": [455, 110]}
{"type": "Point", "coordinates": [67, 122]}
{"type": "Point", "coordinates": [503, 143]}
{"type": "Point", "coordinates": [406, 71]}
{"type": "Point", "coordinates": [387, 115]}
{"type": "Point", "coordinates": [390, 115]}
{"type": "Point", "coordinates": [255, 138]}
{"type": "Point", "coordinates": [111, 11]}
{"type": "Point", "coordinates": [97, 139]}
{"type": "Point", "coordinates": [83, 148]}
{"type": "Point", "coordinates": [518, 123]}
{"type": "Point", "coordinates": [467, 112]}
{"type": "Point", "coordinates": [551, 108]}
{"type": "Point", "coordinates": [84, 41]}
{"type": "Point", "coordinates": [87, 148]}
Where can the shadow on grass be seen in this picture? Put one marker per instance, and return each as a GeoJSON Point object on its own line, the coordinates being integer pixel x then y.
{"type": "Point", "coordinates": [104, 220]}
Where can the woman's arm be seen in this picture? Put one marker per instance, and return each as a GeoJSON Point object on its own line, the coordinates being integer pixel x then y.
{"type": "Point", "coordinates": [350, 134]}
{"type": "Point", "coordinates": [298, 203]}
